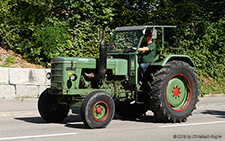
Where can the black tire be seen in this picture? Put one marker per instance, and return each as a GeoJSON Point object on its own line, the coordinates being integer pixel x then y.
{"type": "Point", "coordinates": [127, 110]}
{"type": "Point", "coordinates": [97, 109]}
{"type": "Point", "coordinates": [49, 108]}
{"type": "Point", "coordinates": [173, 92]}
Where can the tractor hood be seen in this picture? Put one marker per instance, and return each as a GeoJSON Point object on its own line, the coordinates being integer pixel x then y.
{"type": "Point", "coordinates": [118, 66]}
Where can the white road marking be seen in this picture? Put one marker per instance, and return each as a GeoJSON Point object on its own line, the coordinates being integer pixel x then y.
{"type": "Point", "coordinates": [38, 136]}
{"type": "Point", "coordinates": [191, 124]}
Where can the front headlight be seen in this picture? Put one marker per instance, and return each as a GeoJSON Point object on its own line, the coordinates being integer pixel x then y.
{"type": "Point", "coordinates": [73, 77]}
{"type": "Point", "coordinates": [48, 75]}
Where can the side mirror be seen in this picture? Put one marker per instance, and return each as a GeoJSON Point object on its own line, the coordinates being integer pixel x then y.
{"type": "Point", "coordinates": [143, 31]}
{"type": "Point", "coordinates": [154, 33]}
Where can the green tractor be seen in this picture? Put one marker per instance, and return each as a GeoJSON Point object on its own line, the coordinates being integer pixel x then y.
{"type": "Point", "coordinates": [103, 86]}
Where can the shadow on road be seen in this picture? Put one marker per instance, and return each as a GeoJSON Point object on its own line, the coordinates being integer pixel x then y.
{"type": "Point", "coordinates": [37, 120]}
{"type": "Point", "coordinates": [117, 117]}
{"type": "Point", "coordinates": [146, 118]}
{"type": "Point", "coordinates": [220, 114]}
{"type": "Point", "coordinates": [71, 120]}
{"type": "Point", "coordinates": [80, 126]}
{"type": "Point", "coordinates": [40, 120]}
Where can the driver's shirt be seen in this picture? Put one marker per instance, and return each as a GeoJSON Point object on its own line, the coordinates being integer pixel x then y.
{"type": "Point", "coordinates": [149, 57]}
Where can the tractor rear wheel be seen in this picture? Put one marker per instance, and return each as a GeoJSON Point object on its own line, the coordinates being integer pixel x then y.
{"type": "Point", "coordinates": [173, 92]}
{"type": "Point", "coordinates": [97, 109]}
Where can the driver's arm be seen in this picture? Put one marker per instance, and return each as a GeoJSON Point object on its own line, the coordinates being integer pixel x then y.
{"type": "Point", "coordinates": [143, 49]}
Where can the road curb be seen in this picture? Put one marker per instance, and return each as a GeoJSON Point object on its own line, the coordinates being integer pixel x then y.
{"type": "Point", "coordinates": [213, 95]}
{"type": "Point", "coordinates": [19, 113]}
{"type": "Point", "coordinates": [19, 99]}
{"type": "Point", "coordinates": [23, 113]}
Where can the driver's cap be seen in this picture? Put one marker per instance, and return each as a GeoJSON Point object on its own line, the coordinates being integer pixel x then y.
{"type": "Point", "coordinates": [148, 34]}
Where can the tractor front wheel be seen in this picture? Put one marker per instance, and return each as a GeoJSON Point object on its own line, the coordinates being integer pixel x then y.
{"type": "Point", "coordinates": [97, 109]}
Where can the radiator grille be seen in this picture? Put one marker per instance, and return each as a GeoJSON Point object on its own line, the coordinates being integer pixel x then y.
{"type": "Point", "coordinates": [56, 76]}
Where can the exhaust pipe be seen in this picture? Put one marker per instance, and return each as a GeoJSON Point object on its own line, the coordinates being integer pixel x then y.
{"type": "Point", "coordinates": [102, 58]}
{"type": "Point", "coordinates": [98, 79]}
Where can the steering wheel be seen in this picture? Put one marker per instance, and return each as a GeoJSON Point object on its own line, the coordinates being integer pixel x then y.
{"type": "Point", "coordinates": [130, 49]}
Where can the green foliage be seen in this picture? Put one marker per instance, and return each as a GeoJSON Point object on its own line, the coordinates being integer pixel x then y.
{"type": "Point", "coordinates": [46, 42]}
{"type": "Point", "coordinates": [42, 29]}
{"type": "Point", "coordinates": [133, 12]}
{"type": "Point", "coordinates": [18, 19]}
{"type": "Point", "coordinates": [207, 50]}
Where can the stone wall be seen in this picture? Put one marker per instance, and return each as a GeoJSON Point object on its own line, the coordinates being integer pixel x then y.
{"type": "Point", "coordinates": [22, 82]}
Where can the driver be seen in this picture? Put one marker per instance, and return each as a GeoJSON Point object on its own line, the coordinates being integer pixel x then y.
{"type": "Point", "coordinates": [146, 53]}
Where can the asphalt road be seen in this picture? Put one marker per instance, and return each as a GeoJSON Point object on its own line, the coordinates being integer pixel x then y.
{"type": "Point", "coordinates": [19, 120]}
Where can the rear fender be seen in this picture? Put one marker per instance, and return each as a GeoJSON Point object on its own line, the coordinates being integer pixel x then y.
{"type": "Point", "coordinates": [161, 60]}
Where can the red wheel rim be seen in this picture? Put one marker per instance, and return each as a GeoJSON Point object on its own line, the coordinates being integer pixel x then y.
{"type": "Point", "coordinates": [100, 111]}
{"type": "Point", "coordinates": [178, 92]}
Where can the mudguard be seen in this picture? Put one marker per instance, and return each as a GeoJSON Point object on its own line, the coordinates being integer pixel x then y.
{"type": "Point", "coordinates": [161, 60]}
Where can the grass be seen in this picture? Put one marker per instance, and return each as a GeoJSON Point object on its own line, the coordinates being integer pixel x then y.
{"type": "Point", "coordinates": [212, 86]}
{"type": "Point", "coordinates": [9, 60]}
